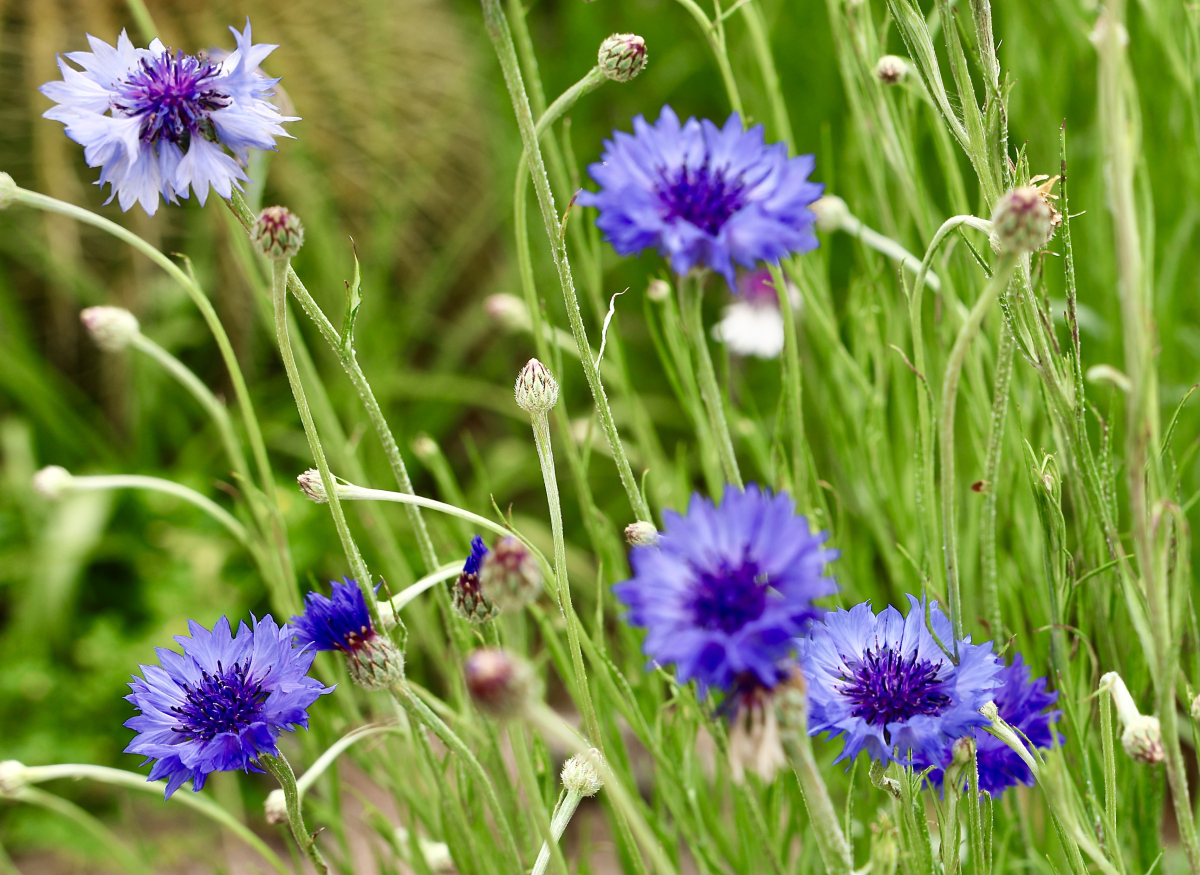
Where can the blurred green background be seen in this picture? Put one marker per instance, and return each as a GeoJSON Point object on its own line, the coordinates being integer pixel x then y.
{"type": "Point", "coordinates": [407, 146]}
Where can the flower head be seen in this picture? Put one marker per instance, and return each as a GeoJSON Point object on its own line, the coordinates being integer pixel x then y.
{"type": "Point", "coordinates": [1021, 703]}
{"type": "Point", "coordinates": [221, 703]}
{"type": "Point", "coordinates": [884, 684]}
{"type": "Point", "coordinates": [157, 121]}
{"type": "Point", "coordinates": [728, 588]}
{"type": "Point", "coordinates": [467, 594]}
{"type": "Point", "coordinates": [622, 56]}
{"type": "Point", "coordinates": [703, 195]}
{"type": "Point", "coordinates": [509, 574]}
{"type": "Point", "coordinates": [343, 623]}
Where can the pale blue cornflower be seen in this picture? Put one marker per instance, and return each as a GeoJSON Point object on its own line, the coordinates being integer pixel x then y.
{"type": "Point", "coordinates": [159, 122]}
{"type": "Point", "coordinates": [703, 195]}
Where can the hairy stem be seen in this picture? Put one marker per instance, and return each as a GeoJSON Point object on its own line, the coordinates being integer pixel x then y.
{"type": "Point", "coordinates": [279, 767]}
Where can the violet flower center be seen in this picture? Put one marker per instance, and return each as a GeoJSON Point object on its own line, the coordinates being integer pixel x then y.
{"type": "Point", "coordinates": [886, 688]}
{"type": "Point", "coordinates": [730, 599]}
{"type": "Point", "coordinates": [702, 196]}
{"type": "Point", "coordinates": [227, 701]}
{"type": "Point", "coordinates": [171, 95]}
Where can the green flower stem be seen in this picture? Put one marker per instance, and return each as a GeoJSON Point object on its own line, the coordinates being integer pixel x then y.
{"type": "Point", "coordinates": [349, 361]}
{"type": "Point", "coordinates": [716, 41]}
{"type": "Point", "coordinates": [204, 305]}
{"type": "Point", "coordinates": [541, 437]}
{"type": "Point", "coordinates": [279, 275]}
{"type": "Point", "coordinates": [406, 595]}
{"type": "Point", "coordinates": [760, 39]}
{"type": "Point", "coordinates": [991, 469]}
{"type": "Point", "coordinates": [793, 378]}
{"type": "Point", "coordinates": [691, 299]}
{"type": "Point", "coordinates": [927, 509]}
{"type": "Point", "coordinates": [336, 749]}
{"type": "Point", "coordinates": [1113, 845]}
{"type": "Point", "coordinates": [498, 31]}
{"type": "Point", "coordinates": [791, 708]}
{"type": "Point", "coordinates": [279, 767]}
{"type": "Point", "coordinates": [101, 483]}
{"type": "Point", "coordinates": [954, 364]}
{"type": "Point", "coordinates": [413, 704]}
{"type": "Point", "coordinates": [216, 410]}
{"type": "Point", "coordinates": [547, 824]}
{"type": "Point", "coordinates": [553, 727]}
{"type": "Point", "coordinates": [128, 860]}
{"type": "Point", "coordinates": [134, 781]}
{"type": "Point", "coordinates": [567, 805]}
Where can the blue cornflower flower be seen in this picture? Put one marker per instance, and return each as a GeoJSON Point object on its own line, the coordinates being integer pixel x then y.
{"type": "Point", "coordinates": [1022, 704]}
{"type": "Point", "coordinates": [466, 593]}
{"type": "Point", "coordinates": [884, 684]}
{"type": "Point", "coordinates": [222, 703]}
{"type": "Point", "coordinates": [343, 623]}
{"type": "Point", "coordinates": [728, 588]}
{"type": "Point", "coordinates": [157, 121]}
{"type": "Point", "coordinates": [703, 195]}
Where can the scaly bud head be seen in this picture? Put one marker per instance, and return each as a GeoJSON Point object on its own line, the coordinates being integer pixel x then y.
{"type": "Point", "coordinates": [312, 486]}
{"type": "Point", "coordinates": [1022, 221]}
{"type": "Point", "coordinates": [501, 684]}
{"type": "Point", "coordinates": [891, 69]}
{"type": "Point", "coordinates": [112, 328]}
{"type": "Point", "coordinates": [377, 664]}
{"type": "Point", "coordinates": [8, 190]}
{"type": "Point", "coordinates": [831, 212]}
{"type": "Point", "coordinates": [580, 775]}
{"type": "Point", "coordinates": [641, 534]}
{"type": "Point", "coordinates": [277, 233]}
{"type": "Point", "coordinates": [622, 56]}
{"type": "Point", "coordinates": [536, 389]}
{"type": "Point", "coordinates": [52, 481]}
{"type": "Point", "coordinates": [1142, 740]}
{"type": "Point", "coordinates": [509, 576]}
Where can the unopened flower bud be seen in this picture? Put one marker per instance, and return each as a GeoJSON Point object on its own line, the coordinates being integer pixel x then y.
{"type": "Point", "coordinates": [641, 534]}
{"type": "Point", "coordinates": [12, 777]}
{"type": "Point", "coordinates": [580, 775]}
{"type": "Point", "coordinates": [277, 233]}
{"type": "Point", "coordinates": [111, 328]}
{"type": "Point", "coordinates": [509, 575]}
{"type": "Point", "coordinates": [8, 190]}
{"type": "Point", "coordinates": [52, 481]}
{"type": "Point", "coordinates": [536, 389]}
{"type": "Point", "coordinates": [622, 56]}
{"type": "Point", "coordinates": [425, 447]}
{"type": "Point", "coordinates": [312, 486]}
{"type": "Point", "coordinates": [1142, 740]}
{"type": "Point", "coordinates": [831, 212]}
{"type": "Point", "coordinates": [990, 711]}
{"type": "Point", "coordinates": [376, 664]}
{"type": "Point", "coordinates": [501, 684]}
{"type": "Point", "coordinates": [1022, 221]}
{"type": "Point", "coordinates": [891, 69]}
{"type": "Point", "coordinates": [658, 290]}
{"type": "Point", "coordinates": [508, 311]}
{"type": "Point", "coordinates": [275, 807]}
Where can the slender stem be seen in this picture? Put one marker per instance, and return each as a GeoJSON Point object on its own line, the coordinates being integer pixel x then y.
{"type": "Point", "coordinates": [760, 39]}
{"type": "Point", "coordinates": [1113, 843]}
{"type": "Point", "coordinates": [412, 703]}
{"type": "Point", "coordinates": [563, 812]}
{"type": "Point", "coordinates": [954, 365]}
{"type": "Point", "coordinates": [793, 381]}
{"type": "Point", "coordinates": [791, 707]}
{"type": "Point", "coordinates": [279, 273]}
{"type": "Point", "coordinates": [991, 468]}
{"type": "Point", "coordinates": [691, 302]}
{"type": "Point", "coordinates": [349, 361]}
{"type": "Point", "coordinates": [257, 446]}
{"type": "Point", "coordinates": [541, 436]}
{"type": "Point", "coordinates": [282, 770]}
{"type": "Point", "coordinates": [336, 749]}
{"type": "Point", "coordinates": [216, 410]}
{"type": "Point", "coordinates": [157, 484]}
{"type": "Point", "coordinates": [885, 245]}
{"type": "Point", "coordinates": [533, 791]}
{"type": "Point", "coordinates": [554, 728]}
{"type": "Point", "coordinates": [498, 31]}
{"type": "Point", "coordinates": [134, 781]}
{"type": "Point", "coordinates": [717, 43]}
{"type": "Point", "coordinates": [406, 595]}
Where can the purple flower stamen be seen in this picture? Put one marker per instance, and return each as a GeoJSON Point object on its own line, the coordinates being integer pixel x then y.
{"type": "Point", "coordinates": [225, 701]}
{"type": "Point", "coordinates": [886, 687]}
{"type": "Point", "coordinates": [173, 94]}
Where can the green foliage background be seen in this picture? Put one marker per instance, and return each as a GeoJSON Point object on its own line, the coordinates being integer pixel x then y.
{"type": "Point", "coordinates": [408, 147]}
